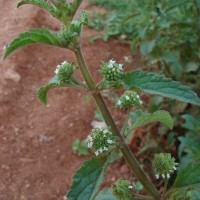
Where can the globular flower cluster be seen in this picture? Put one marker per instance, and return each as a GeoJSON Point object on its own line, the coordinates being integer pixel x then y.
{"type": "Point", "coordinates": [100, 140]}
{"type": "Point", "coordinates": [128, 99]}
{"type": "Point", "coordinates": [164, 165]}
{"type": "Point", "coordinates": [112, 71]}
{"type": "Point", "coordinates": [122, 189]}
{"type": "Point", "coordinates": [64, 71]}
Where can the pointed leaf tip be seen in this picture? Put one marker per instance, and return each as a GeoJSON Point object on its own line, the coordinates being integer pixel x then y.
{"type": "Point", "coordinates": [156, 84]}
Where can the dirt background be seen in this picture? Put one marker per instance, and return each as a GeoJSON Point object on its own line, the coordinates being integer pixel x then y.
{"type": "Point", "coordinates": [36, 156]}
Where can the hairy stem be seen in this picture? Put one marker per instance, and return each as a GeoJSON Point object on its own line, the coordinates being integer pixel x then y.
{"type": "Point", "coordinates": [134, 165]}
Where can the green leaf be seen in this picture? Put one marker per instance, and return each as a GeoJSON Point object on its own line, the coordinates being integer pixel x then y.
{"type": "Point", "coordinates": [42, 4]}
{"type": "Point", "coordinates": [156, 84]}
{"type": "Point", "coordinates": [33, 36]}
{"type": "Point", "coordinates": [193, 195]}
{"type": "Point", "coordinates": [81, 147]}
{"type": "Point", "coordinates": [54, 83]}
{"type": "Point", "coordinates": [42, 92]}
{"type": "Point", "coordinates": [191, 123]}
{"type": "Point", "coordinates": [106, 195]}
{"type": "Point", "coordinates": [88, 179]}
{"type": "Point", "coordinates": [188, 177]}
{"type": "Point", "coordinates": [147, 47]}
{"type": "Point", "coordinates": [143, 118]}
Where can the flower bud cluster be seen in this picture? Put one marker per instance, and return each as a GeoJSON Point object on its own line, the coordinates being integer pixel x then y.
{"type": "Point", "coordinates": [122, 189]}
{"type": "Point", "coordinates": [64, 71]}
{"type": "Point", "coordinates": [128, 99]}
{"type": "Point", "coordinates": [100, 140]}
{"type": "Point", "coordinates": [112, 71]}
{"type": "Point", "coordinates": [164, 165]}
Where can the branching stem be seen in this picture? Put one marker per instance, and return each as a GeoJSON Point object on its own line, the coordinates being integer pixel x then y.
{"type": "Point", "coordinates": [134, 165]}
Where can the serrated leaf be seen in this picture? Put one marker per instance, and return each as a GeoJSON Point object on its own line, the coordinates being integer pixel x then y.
{"type": "Point", "coordinates": [146, 118]}
{"type": "Point", "coordinates": [42, 4]}
{"type": "Point", "coordinates": [33, 36]}
{"type": "Point", "coordinates": [105, 194]}
{"type": "Point", "coordinates": [188, 177]}
{"type": "Point", "coordinates": [156, 84]}
{"type": "Point", "coordinates": [88, 179]}
{"type": "Point", "coordinates": [191, 123]}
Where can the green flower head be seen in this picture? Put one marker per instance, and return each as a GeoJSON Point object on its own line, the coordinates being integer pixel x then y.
{"type": "Point", "coordinates": [121, 189]}
{"type": "Point", "coordinates": [164, 165]}
{"type": "Point", "coordinates": [112, 71]}
{"type": "Point", "coordinates": [64, 71]}
{"type": "Point", "coordinates": [128, 99]}
{"type": "Point", "coordinates": [100, 140]}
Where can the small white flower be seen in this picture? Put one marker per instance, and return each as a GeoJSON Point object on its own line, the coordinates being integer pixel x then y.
{"type": "Point", "coordinates": [109, 141]}
{"type": "Point", "coordinates": [112, 62]}
{"type": "Point", "coordinates": [57, 69]}
{"type": "Point", "coordinates": [140, 101]}
{"type": "Point", "coordinates": [163, 175]}
{"type": "Point", "coordinates": [100, 150]}
{"type": "Point", "coordinates": [97, 153]}
{"type": "Point", "coordinates": [120, 66]}
{"type": "Point", "coordinates": [105, 149]}
{"type": "Point", "coordinates": [113, 69]}
{"type": "Point", "coordinates": [176, 164]}
{"type": "Point", "coordinates": [157, 176]}
{"type": "Point", "coordinates": [174, 168]}
{"type": "Point", "coordinates": [130, 187]}
{"type": "Point", "coordinates": [127, 97]}
{"type": "Point", "coordinates": [168, 176]}
{"type": "Point", "coordinates": [105, 131]}
{"type": "Point", "coordinates": [64, 62]}
{"type": "Point", "coordinates": [119, 102]}
{"type": "Point", "coordinates": [110, 66]}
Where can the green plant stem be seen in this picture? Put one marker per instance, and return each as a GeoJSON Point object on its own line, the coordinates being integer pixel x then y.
{"type": "Point", "coordinates": [141, 197]}
{"type": "Point", "coordinates": [134, 165]}
{"type": "Point", "coordinates": [165, 188]}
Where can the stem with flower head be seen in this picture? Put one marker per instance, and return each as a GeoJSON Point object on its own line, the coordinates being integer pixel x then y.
{"type": "Point", "coordinates": [134, 165]}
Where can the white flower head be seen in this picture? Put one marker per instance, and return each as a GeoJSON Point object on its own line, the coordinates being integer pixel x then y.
{"type": "Point", "coordinates": [112, 62]}
{"type": "Point", "coordinates": [109, 141]}
{"type": "Point", "coordinates": [57, 69]}
{"type": "Point", "coordinates": [168, 176]}
{"type": "Point", "coordinates": [157, 176]}
{"type": "Point", "coordinates": [127, 97]}
{"type": "Point", "coordinates": [105, 131]}
{"type": "Point", "coordinates": [130, 187]}
{"type": "Point", "coordinates": [119, 102]}
{"type": "Point", "coordinates": [120, 67]}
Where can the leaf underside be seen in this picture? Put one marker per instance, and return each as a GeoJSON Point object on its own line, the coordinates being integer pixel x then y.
{"type": "Point", "coordinates": [156, 84]}
{"type": "Point", "coordinates": [53, 83]}
{"type": "Point", "coordinates": [88, 179]}
{"type": "Point", "coordinates": [33, 36]}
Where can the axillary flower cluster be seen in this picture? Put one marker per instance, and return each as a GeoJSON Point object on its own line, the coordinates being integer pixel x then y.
{"type": "Point", "coordinates": [164, 165]}
{"type": "Point", "coordinates": [122, 189]}
{"type": "Point", "coordinates": [64, 71]}
{"type": "Point", "coordinates": [112, 71]}
{"type": "Point", "coordinates": [128, 99]}
{"type": "Point", "coordinates": [101, 140]}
